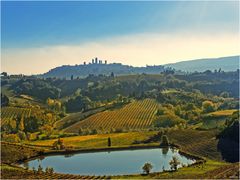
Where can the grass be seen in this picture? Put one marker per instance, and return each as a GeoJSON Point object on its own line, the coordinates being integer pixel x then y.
{"type": "Point", "coordinates": [227, 112]}
{"type": "Point", "coordinates": [99, 141]}
{"type": "Point", "coordinates": [136, 115]}
{"type": "Point", "coordinates": [11, 172]}
{"type": "Point", "coordinates": [192, 172]}
{"type": "Point", "coordinates": [216, 119]}
{"type": "Point", "coordinates": [11, 153]}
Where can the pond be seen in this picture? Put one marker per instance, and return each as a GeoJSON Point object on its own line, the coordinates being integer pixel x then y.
{"type": "Point", "coordinates": [110, 162]}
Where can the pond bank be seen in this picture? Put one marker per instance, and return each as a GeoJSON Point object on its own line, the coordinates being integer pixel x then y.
{"type": "Point", "coordinates": [108, 149]}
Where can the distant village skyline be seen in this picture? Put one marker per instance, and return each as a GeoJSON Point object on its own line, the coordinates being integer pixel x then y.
{"type": "Point", "coordinates": [38, 36]}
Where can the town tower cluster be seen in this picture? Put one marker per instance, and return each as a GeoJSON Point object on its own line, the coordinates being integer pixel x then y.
{"type": "Point", "coordinates": [96, 61]}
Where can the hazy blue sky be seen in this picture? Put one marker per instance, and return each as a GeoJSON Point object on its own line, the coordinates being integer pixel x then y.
{"type": "Point", "coordinates": [42, 35]}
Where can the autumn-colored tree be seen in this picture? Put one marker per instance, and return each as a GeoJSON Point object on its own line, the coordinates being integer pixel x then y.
{"type": "Point", "coordinates": [47, 129]}
{"type": "Point", "coordinates": [21, 124]}
{"type": "Point", "coordinates": [208, 106]}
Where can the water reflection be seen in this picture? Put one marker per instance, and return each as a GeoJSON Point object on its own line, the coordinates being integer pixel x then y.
{"type": "Point", "coordinates": [68, 155]}
{"type": "Point", "coordinates": [165, 150]}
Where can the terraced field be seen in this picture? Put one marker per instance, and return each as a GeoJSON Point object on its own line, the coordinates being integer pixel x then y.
{"type": "Point", "coordinates": [136, 115]}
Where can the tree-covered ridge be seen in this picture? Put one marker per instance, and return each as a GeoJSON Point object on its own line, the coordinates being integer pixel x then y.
{"type": "Point", "coordinates": [83, 70]}
{"type": "Point", "coordinates": [182, 100]}
{"type": "Point", "coordinates": [107, 87]}
{"type": "Point", "coordinates": [97, 68]}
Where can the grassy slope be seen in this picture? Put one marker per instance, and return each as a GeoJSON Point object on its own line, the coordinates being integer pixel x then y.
{"type": "Point", "coordinates": [227, 112]}
{"type": "Point", "coordinates": [99, 141]}
{"type": "Point", "coordinates": [216, 119]}
{"type": "Point", "coordinates": [11, 153]}
{"type": "Point", "coordinates": [210, 170]}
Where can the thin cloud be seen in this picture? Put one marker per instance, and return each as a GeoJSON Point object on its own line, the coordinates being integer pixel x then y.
{"type": "Point", "coordinates": [137, 50]}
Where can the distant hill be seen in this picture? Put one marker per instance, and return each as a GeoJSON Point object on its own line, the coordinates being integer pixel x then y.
{"type": "Point", "coordinates": [83, 70]}
{"type": "Point", "coordinates": [96, 69]}
{"type": "Point", "coordinates": [230, 63]}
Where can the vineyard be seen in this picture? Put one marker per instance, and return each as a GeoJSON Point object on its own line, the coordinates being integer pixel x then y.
{"type": "Point", "coordinates": [136, 115]}
{"type": "Point", "coordinates": [199, 143]}
{"type": "Point", "coordinates": [10, 172]}
{"type": "Point", "coordinates": [11, 113]}
{"type": "Point", "coordinates": [11, 152]}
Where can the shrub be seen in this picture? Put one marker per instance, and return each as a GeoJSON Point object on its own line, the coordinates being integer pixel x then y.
{"type": "Point", "coordinates": [174, 163]}
{"type": "Point", "coordinates": [11, 138]}
{"type": "Point", "coordinates": [49, 170]}
{"type": "Point", "coordinates": [208, 106]}
{"type": "Point", "coordinates": [22, 135]}
{"type": "Point", "coordinates": [80, 131]}
{"type": "Point", "coordinates": [43, 137]}
{"type": "Point", "coordinates": [168, 120]}
{"type": "Point", "coordinates": [94, 131]}
{"type": "Point", "coordinates": [147, 168]}
{"type": "Point", "coordinates": [40, 169]}
{"type": "Point", "coordinates": [118, 130]}
{"type": "Point", "coordinates": [58, 144]}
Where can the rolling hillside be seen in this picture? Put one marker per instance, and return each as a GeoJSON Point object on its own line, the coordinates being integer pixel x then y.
{"type": "Point", "coordinates": [230, 63]}
{"type": "Point", "coordinates": [216, 119]}
{"type": "Point", "coordinates": [136, 115]}
{"type": "Point", "coordinates": [82, 70]}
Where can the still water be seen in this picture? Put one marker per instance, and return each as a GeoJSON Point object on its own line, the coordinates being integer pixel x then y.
{"type": "Point", "coordinates": [110, 163]}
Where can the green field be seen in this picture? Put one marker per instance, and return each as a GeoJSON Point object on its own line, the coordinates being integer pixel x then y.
{"type": "Point", "coordinates": [13, 172]}
{"type": "Point", "coordinates": [221, 113]}
{"type": "Point", "coordinates": [100, 140]}
{"type": "Point", "coordinates": [210, 170]}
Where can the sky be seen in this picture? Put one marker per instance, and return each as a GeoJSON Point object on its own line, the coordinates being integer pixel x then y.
{"type": "Point", "coordinates": [38, 36]}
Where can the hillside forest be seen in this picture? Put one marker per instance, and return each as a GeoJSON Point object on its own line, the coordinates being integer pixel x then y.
{"type": "Point", "coordinates": [38, 111]}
